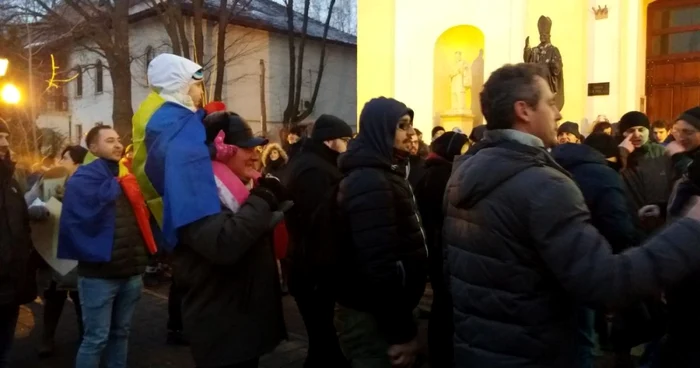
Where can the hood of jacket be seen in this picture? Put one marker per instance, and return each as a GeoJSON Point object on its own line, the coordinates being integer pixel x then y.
{"type": "Point", "coordinates": [570, 155]}
{"type": "Point", "coordinates": [490, 163]}
{"type": "Point", "coordinates": [171, 76]}
{"type": "Point", "coordinates": [374, 146]}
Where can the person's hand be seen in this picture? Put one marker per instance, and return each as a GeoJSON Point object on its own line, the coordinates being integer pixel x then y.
{"type": "Point", "coordinates": [527, 42]}
{"type": "Point", "coordinates": [274, 185]}
{"type": "Point", "coordinates": [693, 209]}
{"type": "Point", "coordinates": [627, 144]}
{"type": "Point", "coordinates": [673, 148]}
{"type": "Point", "coordinates": [651, 210]}
{"type": "Point", "coordinates": [38, 213]}
{"type": "Point", "coordinates": [403, 355]}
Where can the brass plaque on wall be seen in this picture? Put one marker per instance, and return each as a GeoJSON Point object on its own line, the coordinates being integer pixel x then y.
{"type": "Point", "coordinates": [599, 89]}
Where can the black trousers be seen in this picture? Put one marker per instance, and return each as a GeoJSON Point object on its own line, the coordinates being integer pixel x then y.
{"type": "Point", "coordinates": [53, 307]}
{"type": "Point", "coordinates": [249, 364]}
{"type": "Point", "coordinates": [8, 321]}
{"type": "Point", "coordinates": [317, 309]}
{"type": "Point", "coordinates": [175, 296]}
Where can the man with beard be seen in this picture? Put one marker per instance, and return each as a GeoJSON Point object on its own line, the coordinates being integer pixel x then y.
{"type": "Point", "coordinates": [522, 253]}
{"type": "Point", "coordinates": [416, 167]}
{"type": "Point", "coordinates": [311, 175]}
{"type": "Point", "coordinates": [15, 247]}
{"type": "Point", "coordinates": [385, 261]}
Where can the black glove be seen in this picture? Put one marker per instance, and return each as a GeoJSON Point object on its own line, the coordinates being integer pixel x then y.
{"type": "Point", "coordinates": [274, 185]}
{"type": "Point", "coordinates": [266, 195]}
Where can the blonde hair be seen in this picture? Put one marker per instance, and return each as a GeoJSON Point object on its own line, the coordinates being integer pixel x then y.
{"type": "Point", "coordinates": [273, 147]}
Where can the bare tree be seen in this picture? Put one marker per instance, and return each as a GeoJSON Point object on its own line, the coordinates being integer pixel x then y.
{"type": "Point", "coordinates": [101, 27]}
{"type": "Point", "coordinates": [294, 112]}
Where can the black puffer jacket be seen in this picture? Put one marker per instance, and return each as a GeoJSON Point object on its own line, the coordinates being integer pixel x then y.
{"type": "Point", "coordinates": [15, 240]}
{"type": "Point", "coordinates": [387, 259]}
{"type": "Point", "coordinates": [604, 192]}
{"type": "Point", "coordinates": [522, 255]}
{"type": "Point", "coordinates": [232, 310]}
{"type": "Point", "coordinates": [129, 254]}
{"type": "Point", "coordinates": [309, 178]}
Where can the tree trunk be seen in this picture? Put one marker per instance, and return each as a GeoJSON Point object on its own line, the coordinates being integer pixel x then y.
{"type": "Point", "coordinates": [120, 70]}
{"type": "Point", "coordinates": [300, 62]}
{"type": "Point", "coordinates": [221, 50]}
{"type": "Point", "coordinates": [289, 112]}
{"type": "Point", "coordinates": [197, 8]}
{"type": "Point", "coordinates": [184, 43]}
{"type": "Point", "coordinates": [321, 66]}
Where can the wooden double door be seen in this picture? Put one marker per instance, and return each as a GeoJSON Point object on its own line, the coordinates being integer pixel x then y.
{"type": "Point", "coordinates": [673, 58]}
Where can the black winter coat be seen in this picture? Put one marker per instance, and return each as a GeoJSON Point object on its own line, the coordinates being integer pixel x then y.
{"type": "Point", "coordinates": [15, 241]}
{"type": "Point", "coordinates": [309, 177]}
{"type": "Point", "coordinates": [523, 255]}
{"type": "Point", "coordinates": [232, 310]}
{"type": "Point", "coordinates": [387, 259]}
{"type": "Point", "coordinates": [604, 192]}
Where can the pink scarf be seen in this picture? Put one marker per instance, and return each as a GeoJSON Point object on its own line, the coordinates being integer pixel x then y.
{"type": "Point", "coordinates": [232, 191]}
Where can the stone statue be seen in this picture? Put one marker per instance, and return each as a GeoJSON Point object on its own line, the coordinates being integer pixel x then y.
{"type": "Point", "coordinates": [548, 55]}
{"type": "Point", "coordinates": [460, 80]}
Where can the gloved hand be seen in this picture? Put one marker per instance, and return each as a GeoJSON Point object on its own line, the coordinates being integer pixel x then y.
{"type": "Point", "coordinates": [266, 195]}
{"type": "Point", "coordinates": [274, 185]}
{"type": "Point", "coordinates": [38, 213]}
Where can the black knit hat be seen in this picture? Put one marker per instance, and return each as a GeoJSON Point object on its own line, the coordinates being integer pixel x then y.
{"type": "Point", "coordinates": [571, 128]}
{"type": "Point", "coordinates": [634, 119]}
{"type": "Point", "coordinates": [477, 133]}
{"type": "Point", "coordinates": [449, 145]}
{"type": "Point", "coordinates": [329, 127]}
{"type": "Point", "coordinates": [4, 128]}
{"type": "Point", "coordinates": [237, 130]}
{"type": "Point", "coordinates": [691, 117]}
{"type": "Point", "coordinates": [603, 143]}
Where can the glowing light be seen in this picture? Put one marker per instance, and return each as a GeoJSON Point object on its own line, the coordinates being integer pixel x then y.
{"type": "Point", "coordinates": [4, 63]}
{"type": "Point", "coordinates": [10, 94]}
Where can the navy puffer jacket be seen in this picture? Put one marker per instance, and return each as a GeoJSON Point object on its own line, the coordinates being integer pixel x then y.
{"type": "Point", "coordinates": [522, 255]}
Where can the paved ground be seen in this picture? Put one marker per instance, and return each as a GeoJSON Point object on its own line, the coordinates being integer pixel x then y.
{"type": "Point", "coordinates": [147, 348]}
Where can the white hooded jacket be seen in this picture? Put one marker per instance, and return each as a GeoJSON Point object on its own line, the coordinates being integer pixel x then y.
{"type": "Point", "coordinates": [171, 77]}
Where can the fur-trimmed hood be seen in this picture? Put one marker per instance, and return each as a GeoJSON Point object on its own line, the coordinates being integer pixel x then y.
{"type": "Point", "coordinates": [271, 147]}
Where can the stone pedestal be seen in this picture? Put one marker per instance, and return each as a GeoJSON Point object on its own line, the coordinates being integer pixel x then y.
{"type": "Point", "coordinates": [463, 120]}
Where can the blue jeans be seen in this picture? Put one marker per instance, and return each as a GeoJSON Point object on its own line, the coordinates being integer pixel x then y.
{"type": "Point", "coordinates": [585, 337]}
{"type": "Point", "coordinates": [8, 321]}
{"type": "Point", "coordinates": [108, 305]}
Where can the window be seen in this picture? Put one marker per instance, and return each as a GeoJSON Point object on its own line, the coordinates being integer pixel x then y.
{"type": "Point", "coordinates": [98, 77]}
{"type": "Point", "coordinates": [79, 82]}
{"type": "Point", "coordinates": [673, 29]}
{"type": "Point", "coordinates": [675, 43]}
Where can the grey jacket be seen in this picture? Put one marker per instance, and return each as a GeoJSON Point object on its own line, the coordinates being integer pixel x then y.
{"type": "Point", "coordinates": [523, 255]}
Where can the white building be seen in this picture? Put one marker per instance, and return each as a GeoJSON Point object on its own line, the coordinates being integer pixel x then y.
{"type": "Point", "coordinates": [264, 38]}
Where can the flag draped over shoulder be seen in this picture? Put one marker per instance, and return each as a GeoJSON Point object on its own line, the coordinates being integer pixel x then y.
{"type": "Point", "coordinates": [87, 222]}
{"type": "Point", "coordinates": [173, 166]}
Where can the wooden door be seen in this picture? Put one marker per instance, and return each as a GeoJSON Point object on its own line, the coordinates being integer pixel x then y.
{"type": "Point", "coordinates": [673, 58]}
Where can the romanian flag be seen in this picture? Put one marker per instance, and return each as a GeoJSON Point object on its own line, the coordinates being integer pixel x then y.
{"type": "Point", "coordinates": [172, 165]}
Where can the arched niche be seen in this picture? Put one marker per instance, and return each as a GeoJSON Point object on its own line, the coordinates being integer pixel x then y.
{"type": "Point", "coordinates": [469, 41]}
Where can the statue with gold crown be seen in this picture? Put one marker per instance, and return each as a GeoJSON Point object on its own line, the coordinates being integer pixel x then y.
{"type": "Point", "coordinates": [547, 55]}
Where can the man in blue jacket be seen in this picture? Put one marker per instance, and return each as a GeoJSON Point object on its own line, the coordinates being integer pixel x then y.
{"type": "Point", "coordinates": [99, 229]}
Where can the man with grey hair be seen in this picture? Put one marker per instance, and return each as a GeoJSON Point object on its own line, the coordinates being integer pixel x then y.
{"type": "Point", "coordinates": [522, 254]}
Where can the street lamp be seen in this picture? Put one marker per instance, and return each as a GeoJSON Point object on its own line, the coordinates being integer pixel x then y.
{"type": "Point", "coordinates": [4, 63]}
{"type": "Point", "coordinates": [10, 94]}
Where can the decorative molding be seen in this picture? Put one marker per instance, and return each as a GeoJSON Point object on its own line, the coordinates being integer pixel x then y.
{"type": "Point", "coordinates": [600, 13]}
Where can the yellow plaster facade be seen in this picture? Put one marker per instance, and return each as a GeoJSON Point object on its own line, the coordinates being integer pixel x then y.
{"type": "Point", "coordinates": [397, 42]}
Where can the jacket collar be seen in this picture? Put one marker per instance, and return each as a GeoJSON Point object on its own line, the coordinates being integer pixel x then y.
{"type": "Point", "coordinates": [514, 136]}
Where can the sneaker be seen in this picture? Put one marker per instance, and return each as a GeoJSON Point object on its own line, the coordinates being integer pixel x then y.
{"type": "Point", "coordinates": [177, 338]}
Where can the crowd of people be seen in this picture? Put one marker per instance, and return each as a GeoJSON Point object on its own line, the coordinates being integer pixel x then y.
{"type": "Point", "coordinates": [541, 245]}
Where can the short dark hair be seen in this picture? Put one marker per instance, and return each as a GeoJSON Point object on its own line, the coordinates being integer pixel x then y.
{"type": "Point", "coordinates": [601, 126]}
{"type": "Point", "coordinates": [297, 130]}
{"type": "Point", "coordinates": [77, 153]}
{"type": "Point", "coordinates": [93, 133]}
{"type": "Point", "coordinates": [659, 124]}
{"type": "Point", "coordinates": [505, 86]}
{"type": "Point", "coordinates": [435, 130]}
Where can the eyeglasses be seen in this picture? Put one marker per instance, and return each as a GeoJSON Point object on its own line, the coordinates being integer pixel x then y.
{"type": "Point", "coordinates": [403, 125]}
{"type": "Point", "coordinates": [684, 132]}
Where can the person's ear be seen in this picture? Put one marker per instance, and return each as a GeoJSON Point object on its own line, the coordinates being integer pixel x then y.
{"type": "Point", "coordinates": [522, 111]}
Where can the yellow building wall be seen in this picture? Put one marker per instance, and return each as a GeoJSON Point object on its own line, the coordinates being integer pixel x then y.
{"type": "Point", "coordinates": [569, 35]}
{"type": "Point", "coordinates": [375, 50]}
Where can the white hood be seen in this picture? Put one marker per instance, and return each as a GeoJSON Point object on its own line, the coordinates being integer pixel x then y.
{"type": "Point", "coordinates": [171, 76]}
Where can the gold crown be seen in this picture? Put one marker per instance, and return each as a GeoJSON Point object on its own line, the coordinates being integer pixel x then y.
{"type": "Point", "coordinates": [601, 13]}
